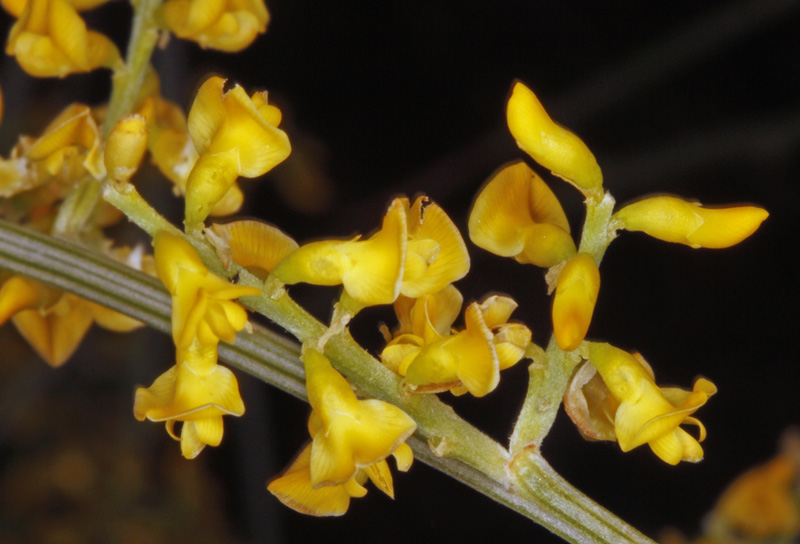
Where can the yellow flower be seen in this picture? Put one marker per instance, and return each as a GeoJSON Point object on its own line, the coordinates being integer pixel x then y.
{"type": "Point", "coordinates": [761, 504]}
{"type": "Point", "coordinates": [573, 305]}
{"type": "Point", "coordinates": [348, 434]}
{"type": "Point", "coordinates": [371, 270]}
{"type": "Point", "coordinates": [436, 255]}
{"type": "Point", "coordinates": [196, 391]}
{"type": "Point", "coordinates": [51, 40]}
{"type": "Point", "coordinates": [551, 145]}
{"type": "Point", "coordinates": [235, 135]}
{"type": "Point", "coordinates": [676, 220]}
{"type": "Point", "coordinates": [68, 149]}
{"type": "Point", "coordinates": [52, 322]}
{"type": "Point", "coordinates": [294, 488]}
{"type": "Point", "coordinates": [254, 245]}
{"type": "Point", "coordinates": [423, 321]}
{"type": "Point", "coordinates": [202, 303]}
{"type": "Point", "coordinates": [125, 147]}
{"type": "Point", "coordinates": [517, 215]}
{"type": "Point", "coordinates": [648, 414]}
{"type": "Point", "coordinates": [469, 360]}
{"type": "Point", "coordinates": [227, 25]}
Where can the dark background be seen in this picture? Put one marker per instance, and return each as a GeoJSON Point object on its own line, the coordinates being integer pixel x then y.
{"type": "Point", "coordinates": [699, 99]}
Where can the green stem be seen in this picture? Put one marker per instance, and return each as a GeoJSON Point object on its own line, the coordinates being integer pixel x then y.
{"type": "Point", "coordinates": [474, 458]}
{"type": "Point", "coordinates": [548, 377]}
{"type": "Point", "coordinates": [126, 83]}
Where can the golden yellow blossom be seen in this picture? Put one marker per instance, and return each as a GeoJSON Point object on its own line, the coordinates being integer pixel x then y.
{"type": "Point", "coordinates": [761, 504]}
{"type": "Point", "coordinates": [196, 391]}
{"type": "Point", "coordinates": [202, 303]}
{"type": "Point", "coordinates": [371, 270]}
{"type": "Point", "coordinates": [348, 434]}
{"type": "Point", "coordinates": [436, 255]}
{"type": "Point", "coordinates": [51, 40]}
{"type": "Point", "coordinates": [69, 148]}
{"type": "Point", "coordinates": [517, 215]}
{"type": "Point", "coordinates": [125, 147]}
{"type": "Point", "coordinates": [227, 25]}
{"type": "Point", "coordinates": [648, 414]}
{"type": "Point", "coordinates": [465, 361]}
{"type": "Point", "coordinates": [52, 322]}
{"type": "Point", "coordinates": [423, 321]}
{"type": "Point", "coordinates": [294, 487]}
{"type": "Point", "coordinates": [551, 145]}
{"type": "Point", "coordinates": [254, 245]}
{"type": "Point", "coordinates": [676, 220]}
{"type": "Point", "coordinates": [235, 135]}
{"type": "Point", "coordinates": [573, 305]}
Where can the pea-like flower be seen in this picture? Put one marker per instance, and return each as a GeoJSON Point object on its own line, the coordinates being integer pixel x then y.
{"type": "Point", "coordinates": [294, 487]}
{"type": "Point", "coordinates": [202, 303]}
{"type": "Point", "coordinates": [226, 25]}
{"type": "Point", "coordinates": [676, 220]}
{"type": "Point", "coordinates": [51, 40]}
{"type": "Point", "coordinates": [551, 145]}
{"type": "Point", "coordinates": [577, 287]}
{"type": "Point", "coordinates": [196, 391]}
{"type": "Point", "coordinates": [54, 322]}
{"type": "Point", "coordinates": [69, 148]}
{"type": "Point", "coordinates": [646, 413]}
{"type": "Point", "coordinates": [254, 245]}
{"type": "Point", "coordinates": [434, 360]}
{"type": "Point", "coordinates": [371, 270]}
{"type": "Point", "coordinates": [235, 135]}
{"type": "Point", "coordinates": [517, 215]}
{"type": "Point", "coordinates": [436, 254]}
{"type": "Point", "coordinates": [348, 434]}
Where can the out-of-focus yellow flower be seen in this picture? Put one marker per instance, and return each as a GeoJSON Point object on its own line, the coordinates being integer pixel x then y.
{"type": "Point", "coordinates": [348, 434]}
{"type": "Point", "coordinates": [196, 391]}
{"type": "Point", "coordinates": [648, 414]}
{"type": "Point", "coordinates": [676, 220]}
{"type": "Point", "coordinates": [227, 25]}
{"type": "Point", "coordinates": [125, 147]}
{"type": "Point", "coordinates": [294, 488]}
{"type": "Point", "coordinates": [517, 215]}
{"type": "Point", "coordinates": [15, 8]}
{"type": "Point", "coordinates": [573, 305]}
{"type": "Point", "coordinates": [436, 255]}
{"type": "Point", "coordinates": [51, 40]}
{"type": "Point", "coordinates": [235, 135]}
{"type": "Point", "coordinates": [371, 270]}
{"type": "Point", "coordinates": [761, 505]}
{"type": "Point", "coordinates": [69, 148]}
{"type": "Point", "coordinates": [466, 361]}
{"type": "Point", "coordinates": [202, 303]}
{"type": "Point", "coordinates": [53, 322]}
{"type": "Point", "coordinates": [254, 245]}
{"type": "Point", "coordinates": [551, 145]}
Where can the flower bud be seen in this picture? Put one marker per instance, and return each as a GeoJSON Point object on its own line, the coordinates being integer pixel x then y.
{"type": "Point", "coordinates": [576, 294]}
{"type": "Point", "coordinates": [549, 144]}
{"type": "Point", "coordinates": [676, 220]}
{"type": "Point", "coordinates": [125, 148]}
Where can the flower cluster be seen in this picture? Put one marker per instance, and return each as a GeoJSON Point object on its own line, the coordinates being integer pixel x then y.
{"type": "Point", "coordinates": [517, 215]}
{"type": "Point", "coordinates": [77, 178]}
